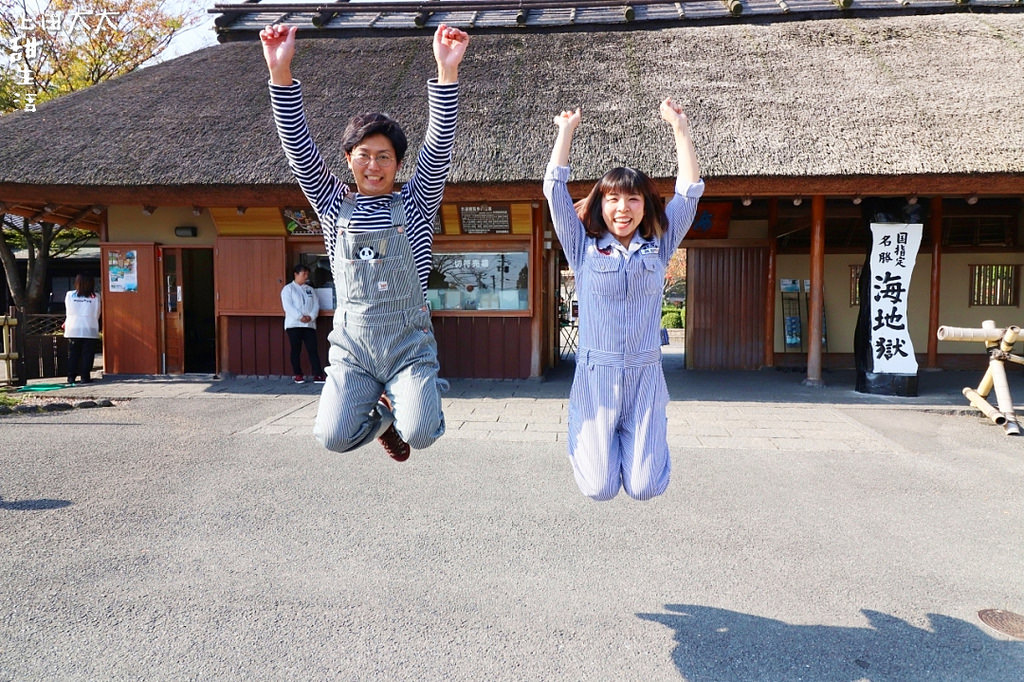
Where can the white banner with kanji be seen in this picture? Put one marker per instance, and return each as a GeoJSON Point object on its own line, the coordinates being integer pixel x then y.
{"type": "Point", "coordinates": [893, 253]}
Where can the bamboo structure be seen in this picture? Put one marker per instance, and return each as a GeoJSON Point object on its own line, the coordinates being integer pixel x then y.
{"type": "Point", "coordinates": [7, 353]}
{"type": "Point", "coordinates": [999, 343]}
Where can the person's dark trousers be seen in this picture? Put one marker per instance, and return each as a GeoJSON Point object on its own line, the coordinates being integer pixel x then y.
{"type": "Point", "coordinates": [81, 353]}
{"type": "Point", "coordinates": [299, 337]}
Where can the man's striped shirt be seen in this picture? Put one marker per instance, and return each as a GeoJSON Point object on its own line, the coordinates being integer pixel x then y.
{"type": "Point", "coordinates": [421, 195]}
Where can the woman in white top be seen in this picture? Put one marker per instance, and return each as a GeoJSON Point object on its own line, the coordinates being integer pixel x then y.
{"type": "Point", "coordinates": [82, 327]}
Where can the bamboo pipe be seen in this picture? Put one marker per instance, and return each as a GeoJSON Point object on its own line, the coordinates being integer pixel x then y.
{"type": "Point", "coordinates": [968, 334]}
{"type": "Point", "coordinates": [8, 323]}
{"type": "Point", "coordinates": [1003, 399]}
{"type": "Point", "coordinates": [998, 371]}
{"type": "Point", "coordinates": [988, 381]}
{"type": "Point", "coordinates": [979, 402]}
{"type": "Point", "coordinates": [1014, 359]}
{"type": "Point", "coordinates": [1009, 338]}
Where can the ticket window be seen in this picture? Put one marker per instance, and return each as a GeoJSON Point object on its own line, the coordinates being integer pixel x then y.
{"type": "Point", "coordinates": [479, 280]}
{"type": "Point", "coordinates": [321, 278]}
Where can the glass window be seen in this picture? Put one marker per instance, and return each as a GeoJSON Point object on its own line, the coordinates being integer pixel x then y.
{"type": "Point", "coordinates": [994, 285]}
{"type": "Point", "coordinates": [479, 281]}
{"type": "Point", "coordinates": [855, 285]}
{"type": "Point", "coordinates": [171, 282]}
{"type": "Point", "coordinates": [320, 278]}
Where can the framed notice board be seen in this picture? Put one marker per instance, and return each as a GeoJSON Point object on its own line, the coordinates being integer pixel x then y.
{"type": "Point", "coordinates": [483, 219]}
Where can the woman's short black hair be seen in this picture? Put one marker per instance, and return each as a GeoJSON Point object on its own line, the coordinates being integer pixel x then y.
{"type": "Point", "coordinates": [361, 126]}
{"type": "Point", "coordinates": [623, 179]}
{"type": "Point", "coordinates": [299, 267]}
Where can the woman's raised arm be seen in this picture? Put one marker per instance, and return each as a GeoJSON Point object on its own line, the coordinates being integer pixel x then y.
{"type": "Point", "coordinates": [689, 169]}
{"type": "Point", "coordinates": [567, 121]}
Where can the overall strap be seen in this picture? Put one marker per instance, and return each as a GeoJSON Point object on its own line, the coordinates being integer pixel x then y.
{"type": "Point", "coordinates": [397, 210]}
{"type": "Point", "coordinates": [348, 207]}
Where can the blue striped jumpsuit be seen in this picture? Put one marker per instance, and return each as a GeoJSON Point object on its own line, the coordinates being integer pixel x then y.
{"type": "Point", "coordinates": [617, 403]}
{"type": "Point", "coordinates": [380, 249]}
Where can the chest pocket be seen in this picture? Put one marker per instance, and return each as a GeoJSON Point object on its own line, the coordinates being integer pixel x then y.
{"type": "Point", "coordinates": [373, 272]}
{"type": "Point", "coordinates": [651, 275]}
{"type": "Point", "coordinates": [607, 275]}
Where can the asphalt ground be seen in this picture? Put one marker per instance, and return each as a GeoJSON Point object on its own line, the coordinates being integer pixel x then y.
{"type": "Point", "coordinates": [196, 530]}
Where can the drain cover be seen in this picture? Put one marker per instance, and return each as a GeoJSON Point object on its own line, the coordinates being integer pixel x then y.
{"type": "Point", "coordinates": [1007, 622]}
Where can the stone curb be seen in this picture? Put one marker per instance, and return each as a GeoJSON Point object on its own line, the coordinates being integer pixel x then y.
{"type": "Point", "coordinates": [54, 406]}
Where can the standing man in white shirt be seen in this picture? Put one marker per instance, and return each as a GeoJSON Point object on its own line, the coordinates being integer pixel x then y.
{"type": "Point", "coordinates": [300, 310]}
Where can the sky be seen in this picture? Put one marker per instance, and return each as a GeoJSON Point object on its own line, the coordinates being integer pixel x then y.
{"type": "Point", "coordinates": [196, 37]}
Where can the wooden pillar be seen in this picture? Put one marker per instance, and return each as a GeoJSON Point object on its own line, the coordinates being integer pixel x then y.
{"type": "Point", "coordinates": [935, 227]}
{"type": "Point", "coordinates": [769, 295]}
{"type": "Point", "coordinates": [539, 322]}
{"type": "Point", "coordinates": [816, 303]}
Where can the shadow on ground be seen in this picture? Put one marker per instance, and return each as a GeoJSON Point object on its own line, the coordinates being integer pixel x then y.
{"type": "Point", "coordinates": [32, 505]}
{"type": "Point", "coordinates": [723, 646]}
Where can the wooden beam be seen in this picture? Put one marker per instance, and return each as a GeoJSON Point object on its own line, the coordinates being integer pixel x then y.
{"type": "Point", "coordinates": [815, 305]}
{"type": "Point", "coordinates": [935, 227]}
{"type": "Point", "coordinates": [417, 6]}
{"type": "Point", "coordinates": [769, 296]}
{"type": "Point", "coordinates": [76, 218]}
{"type": "Point", "coordinates": [950, 186]}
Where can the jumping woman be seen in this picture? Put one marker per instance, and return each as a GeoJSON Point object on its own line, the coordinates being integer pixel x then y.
{"type": "Point", "coordinates": [618, 245]}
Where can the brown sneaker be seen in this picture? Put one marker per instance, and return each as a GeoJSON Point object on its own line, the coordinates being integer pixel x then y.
{"type": "Point", "coordinates": [393, 444]}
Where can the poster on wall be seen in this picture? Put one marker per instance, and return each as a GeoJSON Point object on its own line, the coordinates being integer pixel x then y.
{"type": "Point", "coordinates": [122, 271]}
{"type": "Point", "coordinates": [893, 254]}
{"type": "Point", "coordinates": [790, 289]}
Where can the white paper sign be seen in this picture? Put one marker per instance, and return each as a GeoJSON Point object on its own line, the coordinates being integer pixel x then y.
{"type": "Point", "coordinates": [893, 253]}
{"type": "Point", "coordinates": [325, 297]}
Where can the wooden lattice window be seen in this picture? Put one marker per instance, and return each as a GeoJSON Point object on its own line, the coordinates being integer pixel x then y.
{"type": "Point", "coordinates": [855, 285]}
{"type": "Point", "coordinates": [995, 285]}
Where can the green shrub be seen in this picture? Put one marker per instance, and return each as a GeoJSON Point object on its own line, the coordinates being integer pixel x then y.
{"type": "Point", "coordinates": [672, 320]}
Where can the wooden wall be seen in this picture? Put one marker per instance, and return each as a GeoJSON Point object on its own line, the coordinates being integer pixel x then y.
{"type": "Point", "coordinates": [131, 326]}
{"type": "Point", "coordinates": [484, 347]}
{"type": "Point", "coordinates": [249, 273]}
{"type": "Point", "coordinates": [725, 307]}
{"type": "Point", "coordinates": [258, 346]}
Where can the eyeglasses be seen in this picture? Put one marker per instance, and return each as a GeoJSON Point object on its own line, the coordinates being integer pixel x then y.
{"type": "Point", "coordinates": [362, 159]}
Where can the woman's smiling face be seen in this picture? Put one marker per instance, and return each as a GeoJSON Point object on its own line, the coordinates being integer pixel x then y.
{"type": "Point", "coordinates": [623, 211]}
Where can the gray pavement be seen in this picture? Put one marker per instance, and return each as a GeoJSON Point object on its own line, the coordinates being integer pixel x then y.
{"type": "Point", "coordinates": [197, 531]}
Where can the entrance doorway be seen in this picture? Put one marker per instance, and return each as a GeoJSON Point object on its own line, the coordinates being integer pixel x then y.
{"type": "Point", "coordinates": [568, 313]}
{"type": "Point", "coordinates": [187, 311]}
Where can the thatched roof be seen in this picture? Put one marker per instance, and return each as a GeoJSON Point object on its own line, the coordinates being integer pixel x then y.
{"type": "Point", "coordinates": [885, 96]}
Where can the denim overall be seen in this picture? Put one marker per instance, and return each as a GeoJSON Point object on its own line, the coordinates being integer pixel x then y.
{"type": "Point", "coordinates": [617, 423]}
{"type": "Point", "coordinates": [382, 342]}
